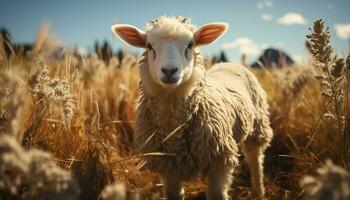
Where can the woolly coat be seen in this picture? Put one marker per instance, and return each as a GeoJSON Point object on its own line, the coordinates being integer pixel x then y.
{"type": "Point", "coordinates": [224, 109]}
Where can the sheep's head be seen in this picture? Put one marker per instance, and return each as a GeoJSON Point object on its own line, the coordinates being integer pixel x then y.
{"type": "Point", "coordinates": [170, 43]}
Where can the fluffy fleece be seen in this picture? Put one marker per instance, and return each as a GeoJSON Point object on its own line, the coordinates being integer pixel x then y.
{"type": "Point", "coordinates": [204, 121]}
{"type": "Point", "coordinates": [225, 106]}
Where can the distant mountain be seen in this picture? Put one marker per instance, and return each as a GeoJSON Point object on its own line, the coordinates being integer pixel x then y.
{"type": "Point", "coordinates": [273, 57]}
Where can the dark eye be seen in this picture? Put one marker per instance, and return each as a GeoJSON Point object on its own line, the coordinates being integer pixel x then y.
{"type": "Point", "coordinates": [149, 46]}
{"type": "Point", "coordinates": [189, 50]}
{"type": "Point", "coordinates": [190, 45]}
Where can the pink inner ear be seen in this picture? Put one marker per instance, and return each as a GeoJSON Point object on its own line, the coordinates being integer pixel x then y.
{"type": "Point", "coordinates": [211, 30]}
{"type": "Point", "coordinates": [128, 31]}
{"type": "Point", "coordinates": [131, 36]}
{"type": "Point", "coordinates": [209, 34]}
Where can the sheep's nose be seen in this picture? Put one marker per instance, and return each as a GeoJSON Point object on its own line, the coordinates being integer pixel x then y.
{"type": "Point", "coordinates": [169, 71]}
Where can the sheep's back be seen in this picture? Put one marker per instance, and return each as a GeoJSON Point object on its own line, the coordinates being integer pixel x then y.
{"type": "Point", "coordinates": [242, 84]}
{"type": "Point", "coordinates": [230, 76]}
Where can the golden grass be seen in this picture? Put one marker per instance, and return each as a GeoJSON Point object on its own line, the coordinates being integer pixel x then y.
{"type": "Point", "coordinates": [81, 111]}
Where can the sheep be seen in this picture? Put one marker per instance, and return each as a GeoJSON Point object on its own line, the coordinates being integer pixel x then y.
{"type": "Point", "coordinates": [196, 118]}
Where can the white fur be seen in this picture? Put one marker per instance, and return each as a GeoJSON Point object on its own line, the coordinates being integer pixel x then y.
{"type": "Point", "coordinates": [217, 110]}
{"type": "Point", "coordinates": [169, 41]}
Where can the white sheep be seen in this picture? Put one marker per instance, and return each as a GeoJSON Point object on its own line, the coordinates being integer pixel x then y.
{"type": "Point", "coordinates": [196, 118]}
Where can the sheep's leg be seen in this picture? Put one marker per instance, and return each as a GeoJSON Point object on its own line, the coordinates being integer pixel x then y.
{"type": "Point", "coordinates": [173, 188]}
{"type": "Point", "coordinates": [219, 182]}
{"type": "Point", "coordinates": [254, 156]}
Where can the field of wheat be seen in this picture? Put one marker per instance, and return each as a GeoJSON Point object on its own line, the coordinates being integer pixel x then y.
{"type": "Point", "coordinates": [66, 127]}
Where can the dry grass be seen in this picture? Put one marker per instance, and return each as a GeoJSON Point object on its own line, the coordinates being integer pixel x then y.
{"type": "Point", "coordinates": [81, 111]}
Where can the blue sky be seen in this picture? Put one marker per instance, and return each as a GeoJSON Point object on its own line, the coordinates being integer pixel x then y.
{"type": "Point", "coordinates": [254, 24]}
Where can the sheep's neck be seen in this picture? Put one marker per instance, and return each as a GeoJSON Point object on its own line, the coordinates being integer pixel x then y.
{"type": "Point", "coordinates": [172, 108]}
{"type": "Point", "coordinates": [171, 111]}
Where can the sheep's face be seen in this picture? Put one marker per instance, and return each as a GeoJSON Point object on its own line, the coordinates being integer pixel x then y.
{"type": "Point", "coordinates": [170, 59]}
{"type": "Point", "coordinates": [169, 43]}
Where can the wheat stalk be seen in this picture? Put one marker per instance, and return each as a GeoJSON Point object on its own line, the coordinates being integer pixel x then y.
{"type": "Point", "coordinates": [33, 174]}
{"type": "Point", "coordinates": [331, 76]}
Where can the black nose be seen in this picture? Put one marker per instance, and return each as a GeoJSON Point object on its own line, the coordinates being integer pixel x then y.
{"type": "Point", "coordinates": [169, 71]}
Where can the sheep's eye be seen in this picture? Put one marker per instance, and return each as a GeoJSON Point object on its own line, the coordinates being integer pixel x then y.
{"type": "Point", "coordinates": [150, 48]}
{"type": "Point", "coordinates": [189, 50]}
{"type": "Point", "coordinates": [190, 45]}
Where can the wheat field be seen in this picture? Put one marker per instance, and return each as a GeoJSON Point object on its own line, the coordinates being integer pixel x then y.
{"type": "Point", "coordinates": [66, 126]}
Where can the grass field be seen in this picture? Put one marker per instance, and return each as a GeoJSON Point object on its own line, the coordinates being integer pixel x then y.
{"type": "Point", "coordinates": [66, 125]}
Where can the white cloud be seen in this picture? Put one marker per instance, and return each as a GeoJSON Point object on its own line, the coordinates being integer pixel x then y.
{"type": "Point", "coordinates": [264, 4]}
{"type": "Point", "coordinates": [267, 17]}
{"type": "Point", "coordinates": [291, 18]}
{"type": "Point", "coordinates": [343, 31]}
{"type": "Point", "coordinates": [265, 45]}
{"type": "Point", "coordinates": [298, 58]}
{"type": "Point", "coordinates": [245, 45]}
{"type": "Point", "coordinates": [268, 3]}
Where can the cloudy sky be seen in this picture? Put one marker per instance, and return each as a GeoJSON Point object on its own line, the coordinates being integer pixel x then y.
{"type": "Point", "coordinates": [254, 24]}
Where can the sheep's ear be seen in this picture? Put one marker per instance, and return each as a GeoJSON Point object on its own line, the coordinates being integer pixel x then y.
{"type": "Point", "coordinates": [209, 33]}
{"type": "Point", "coordinates": [130, 34]}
